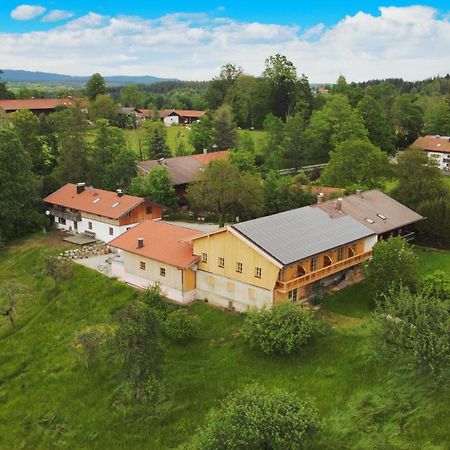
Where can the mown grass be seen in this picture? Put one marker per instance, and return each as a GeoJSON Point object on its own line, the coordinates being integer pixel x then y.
{"type": "Point", "coordinates": [49, 399]}
{"type": "Point", "coordinates": [174, 133]}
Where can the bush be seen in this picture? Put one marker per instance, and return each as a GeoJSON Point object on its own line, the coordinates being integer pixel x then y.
{"type": "Point", "coordinates": [90, 341]}
{"type": "Point", "coordinates": [417, 326]}
{"type": "Point", "coordinates": [282, 329]}
{"type": "Point", "coordinates": [153, 298]}
{"type": "Point", "coordinates": [179, 326]}
{"type": "Point", "coordinates": [57, 269]}
{"type": "Point", "coordinates": [256, 418]}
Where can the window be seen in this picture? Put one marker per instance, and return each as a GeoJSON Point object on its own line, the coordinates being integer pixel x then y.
{"type": "Point", "coordinates": [239, 267]}
{"type": "Point", "coordinates": [340, 253]}
{"type": "Point", "coordinates": [62, 221]}
{"type": "Point", "coordinates": [313, 264]}
{"type": "Point", "coordinates": [90, 225]}
{"type": "Point", "coordinates": [115, 205]}
{"type": "Point", "coordinates": [204, 257]}
{"type": "Point", "coordinates": [258, 272]}
{"type": "Point", "coordinates": [142, 265]}
{"type": "Point", "coordinates": [162, 271]}
{"type": "Point", "coordinates": [221, 262]}
{"type": "Point", "coordinates": [292, 295]}
{"type": "Point", "coordinates": [149, 210]}
{"type": "Point", "coordinates": [111, 231]}
{"type": "Point", "coordinates": [129, 213]}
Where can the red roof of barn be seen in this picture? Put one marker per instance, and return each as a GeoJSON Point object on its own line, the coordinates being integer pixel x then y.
{"type": "Point", "coordinates": [35, 103]}
{"type": "Point", "coordinates": [94, 201]}
{"type": "Point", "coordinates": [163, 242]}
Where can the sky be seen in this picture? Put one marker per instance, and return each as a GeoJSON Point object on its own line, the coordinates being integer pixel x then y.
{"type": "Point", "coordinates": [360, 39]}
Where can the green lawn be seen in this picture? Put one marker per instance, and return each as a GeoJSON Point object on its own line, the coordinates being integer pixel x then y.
{"type": "Point", "coordinates": [136, 137]}
{"type": "Point", "coordinates": [48, 399]}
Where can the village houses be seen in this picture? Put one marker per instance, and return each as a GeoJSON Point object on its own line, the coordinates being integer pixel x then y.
{"type": "Point", "coordinates": [437, 148]}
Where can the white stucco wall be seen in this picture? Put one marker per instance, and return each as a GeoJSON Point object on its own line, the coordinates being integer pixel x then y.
{"type": "Point", "coordinates": [100, 229]}
{"type": "Point", "coordinates": [220, 295]}
{"type": "Point", "coordinates": [439, 158]}
{"type": "Point", "coordinates": [127, 269]}
{"type": "Point", "coordinates": [170, 120]}
{"type": "Point", "coordinates": [370, 242]}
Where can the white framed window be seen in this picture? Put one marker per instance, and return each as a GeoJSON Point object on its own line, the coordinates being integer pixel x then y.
{"type": "Point", "coordinates": [313, 264]}
{"type": "Point", "coordinates": [162, 271]}
{"type": "Point", "coordinates": [293, 295]}
{"type": "Point", "coordinates": [204, 257]}
{"type": "Point", "coordinates": [142, 265]}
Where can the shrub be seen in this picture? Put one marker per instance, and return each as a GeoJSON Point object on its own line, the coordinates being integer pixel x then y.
{"type": "Point", "coordinates": [153, 298]}
{"type": "Point", "coordinates": [282, 329]}
{"type": "Point", "coordinates": [256, 418]}
{"type": "Point", "coordinates": [57, 269]}
{"type": "Point", "coordinates": [418, 326]}
{"type": "Point", "coordinates": [90, 341]}
{"type": "Point", "coordinates": [179, 325]}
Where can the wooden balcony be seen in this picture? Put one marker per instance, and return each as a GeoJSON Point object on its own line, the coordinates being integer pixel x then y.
{"type": "Point", "coordinates": [67, 215]}
{"type": "Point", "coordinates": [286, 286]}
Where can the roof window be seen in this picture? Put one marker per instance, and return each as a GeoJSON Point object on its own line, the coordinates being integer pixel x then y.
{"type": "Point", "coordinates": [370, 221]}
{"type": "Point", "coordinates": [115, 205]}
{"type": "Point", "coordinates": [381, 216]}
{"type": "Point", "coordinates": [96, 200]}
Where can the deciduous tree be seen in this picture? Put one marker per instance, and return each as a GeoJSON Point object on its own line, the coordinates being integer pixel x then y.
{"type": "Point", "coordinates": [95, 86]}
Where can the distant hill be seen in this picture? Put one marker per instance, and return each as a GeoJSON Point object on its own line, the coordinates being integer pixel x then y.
{"type": "Point", "coordinates": [25, 76]}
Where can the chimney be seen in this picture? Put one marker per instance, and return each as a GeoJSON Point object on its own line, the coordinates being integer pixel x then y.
{"type": "Point", "coordinates": [319, 197]}
{"type": "Point", "coordinates": [140, 242]}
{"type": "Point", "coordinates": [339, 205]}
{"type": "Point", "coordinates": [119, 192]}
{"type": "Point", "coordinates": [81, 187]}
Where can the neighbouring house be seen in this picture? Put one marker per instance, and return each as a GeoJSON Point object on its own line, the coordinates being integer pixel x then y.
{"type": "Point", "coordinates": [98, 213]}
{"type": "Point", "coordinates": [36, 105]}
{"type": "Point", "coordinates": [182, 169]}
{"type": "Point", "coordinates": [437, 148]}
{"type": "Point", "coordinates": [157, 252]}
{"type": "Point", "coordinates": [174, 116]}
{"type": "Point", "coordinates": [377, 211]}
{"type": "Point", "coordinates": [283, 257]}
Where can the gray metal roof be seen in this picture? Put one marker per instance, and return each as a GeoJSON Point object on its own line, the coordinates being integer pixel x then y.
{"type": "Point", "coordinates": [297, 234]}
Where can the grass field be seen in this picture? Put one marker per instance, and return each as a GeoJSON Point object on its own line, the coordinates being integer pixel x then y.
{"type": "Point", "coordinates": [134, 137]}
{"type": "Point", "coordinates": [48, 399]}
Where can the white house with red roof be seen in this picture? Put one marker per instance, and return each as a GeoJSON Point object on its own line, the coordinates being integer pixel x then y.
{"type": "Point", "coordinates": [98, 213]}
{"type": "Point", "coordinates": [437, 148]}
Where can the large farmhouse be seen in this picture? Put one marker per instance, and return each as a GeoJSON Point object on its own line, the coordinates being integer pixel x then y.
{"type": "Point", "coordinates": [437, 148]}
{"type": "Point", "coordinates": [182, 169]}
{"type": "Point", "coordinates": [98, 213]}
{"type": "Point", "coordinates": [36, 105]}
{"type": "Point", "coordinates": [261, 262]}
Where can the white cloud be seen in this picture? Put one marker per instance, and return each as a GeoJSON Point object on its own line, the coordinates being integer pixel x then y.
{"type": "Point", "coordinates": [57, 14]}
{"type": "Point", "coordinates": [27, 12]}
{"type": "Point", "coordinates": [410, 42]}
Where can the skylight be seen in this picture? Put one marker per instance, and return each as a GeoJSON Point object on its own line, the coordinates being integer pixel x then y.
{"type": "Point", "coordinates": [115, 205]}
{"type": "Point", "coordinates": [381, 216]}
{"type": "Point", "coordinates": [370, 221]}
{"type": "Point", "coordinates": [96, 200]}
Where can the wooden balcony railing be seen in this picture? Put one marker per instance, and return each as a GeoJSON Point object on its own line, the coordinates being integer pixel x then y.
{"type": "Point", "coordinates": [68, 215]}
{"type": "Point", "coordinates": [286, 286]}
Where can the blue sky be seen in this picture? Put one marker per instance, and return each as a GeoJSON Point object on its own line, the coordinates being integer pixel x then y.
{"type": "Point", "coordinates": [360, 39]}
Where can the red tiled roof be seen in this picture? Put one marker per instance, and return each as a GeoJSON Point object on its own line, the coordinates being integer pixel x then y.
{"type": "Point", "coordinates": [35, 103]}
{"type": "Point", "coordinates": [433, 143]}
{"type": "Point", "coordinates": [183, 169]}
{"type": "Point", "coordinates": [163, 242]}
{"type": "Point", "coordinates": [94, 201]}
